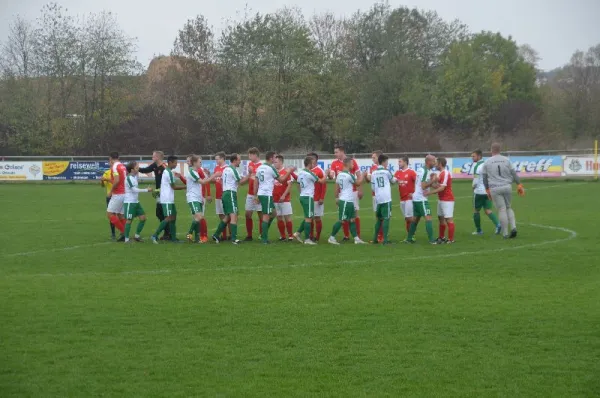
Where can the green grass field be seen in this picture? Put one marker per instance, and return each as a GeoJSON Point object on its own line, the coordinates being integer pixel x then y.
{"type": "Point", "coordinates": [82, 316]}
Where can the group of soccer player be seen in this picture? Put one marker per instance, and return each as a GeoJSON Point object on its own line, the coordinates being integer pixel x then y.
{"type": "Point", "coordinates": [270, 191]}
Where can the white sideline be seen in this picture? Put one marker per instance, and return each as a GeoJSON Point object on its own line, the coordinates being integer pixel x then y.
{"type": "Point", "coordinates": [295, 217]}
{"type": "Point", "coordinates": [572, 235]}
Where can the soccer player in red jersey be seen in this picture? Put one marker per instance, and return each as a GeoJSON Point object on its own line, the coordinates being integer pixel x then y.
{"type": "Point", "coordinates": [251, 204]}
{"type": "Point", "coordinates": [445, 208]}
{"type": "Point", "coordinates": [320, 190]}
{"type": "Point", "coordinates": [220, 158]}
{"type": "Point", "coordinates": [337, 166]}
{"type": "Point", "coordinates": [406, 186]}
{"type": "Point", "coordinates": [282, 199]}
{"type": "Point", "coordinates": [203, 174]}
{"type": "Point", "coordinates": [114, 210]}
{"type": "Point", "coordinates": [374, 166]}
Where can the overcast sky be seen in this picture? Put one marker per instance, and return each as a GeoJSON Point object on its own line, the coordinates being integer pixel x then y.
{"type": "Point", "coordinates": [555, 28]}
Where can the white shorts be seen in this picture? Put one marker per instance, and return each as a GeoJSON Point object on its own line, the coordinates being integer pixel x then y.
{"type": "Point", "coordinates": [219, 207]}
{"type": "Point", "coordinates": [251, 205]}
{"type": "Point", "coordinates": [407, 208]}
{"type": "Point", "coordinates": [356, 201]}
{"type": "Point", "coordinates": [374, 204]}
{"type": "Point", "coordinates": [319, 209]}
{"type": "Point", "coordinates": [445, 209]}
{"type": "Point", "coordinates": [116, 204]}
{"type": "Point", "coordinates": [283, 209]}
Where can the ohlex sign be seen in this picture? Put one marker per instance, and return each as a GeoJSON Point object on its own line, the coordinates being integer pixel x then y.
{"type": "Point", "coordinates": [21, 171]}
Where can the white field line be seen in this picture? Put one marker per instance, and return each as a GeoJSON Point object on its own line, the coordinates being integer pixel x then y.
{"type": "Point", "coordinates": [29, 253]}
{"type": "Point", "coordinates": [571, 235]}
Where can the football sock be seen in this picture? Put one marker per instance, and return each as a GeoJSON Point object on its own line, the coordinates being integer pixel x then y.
{"type": "Point", "coordinates": [357, 225]}
{"type": "Point", "coordinates": [127, 229]}
{"type": "Point", "coordinates": [450, 231]}
{"type": "Point", "coordinates": [233, 232]}
{"type": "Point", "coordinates": [220, 228]}
{"type": "Point", "coordinates": [117, 223]}
{"type": "Point", "coordinates": [290, 228]}
{"type": "Point", "coordinates": [380, 235]}
{"type": "Point", "coordinates": [319, 228]}
{"type": "Point", "coordinates": [346, 228]}
{"type": "Point", "coordinates": [312, 229]}
{"type": "Point", "coordinates": [203, 228]}
{"type": "Point", "coordinates": [161, 227]}
{"type": "Point", "coordinates": [429, 228]}
{"type": "Point", "coordinates": [265, 231]}
{"type": "Point", "coordinates": [281, 228]}
{"type": "Point", "coordinates": [386, 229]}
{"type": "Point", "coordinates": [442, 230]}
{"type": "Point", "coordinates": [173, 230]}
{"type": "Point", "coordinates": [412, 230]}
{"type": "Point", "coordinates": [494, 219]}
{"type": "Point", "coordinates": [377, 229]}
{"type": "Point", "coordinates": [336, 228]}
{"type": "Point", "coordinates": [140, 227]}
{"type": "Point", "coordinates": [306, 230]}
{"type": "Point", "coordinates": [249, 226]}
{"type": "Point", "coordinates": [112, 228]}
{"type": "Point", "coordinates": [271, 221]}
{"type": "Point", "coordinates": [192, 227]}
{"type": "Point", "coordinates": [260, 226]}
{"type": "Point", "coordinates": [353, 229]}
{"type": "Point", "coordinates": [477, 220]}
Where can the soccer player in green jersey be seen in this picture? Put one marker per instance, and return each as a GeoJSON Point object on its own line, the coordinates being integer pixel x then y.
{"type": "Point", "coordinates": [194, 194]}
{"type": "Point", "coordinates": [425, 179]}
{"type": "Point", "coordinates": [381, 180]}
{"type": "Point", "coordinates": [167, 200]}
{"type": "Point", "coordinates": [231, 181]}
{"type": "Point", "coordinates": [345, 201]}
{"type": "Point", "coordinates": [131, 206]}
{"type": "Point", "coordinates": [307, 179]}
{"type": "Point", "coordinates": [266, 175]}
{"type": "Point", "coordinates": [480, 197]}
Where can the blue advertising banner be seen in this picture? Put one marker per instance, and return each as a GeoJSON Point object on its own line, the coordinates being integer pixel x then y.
{"type": "Point", "coordinates": [526, 166]}
{"type": "Point", "coordinates": [74, 170]}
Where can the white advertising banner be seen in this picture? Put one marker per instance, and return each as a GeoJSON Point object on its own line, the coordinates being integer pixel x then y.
{"type": "Point", "coordinates": [579, 165]}
{"type": "Point", "coordinates": [21, 171]}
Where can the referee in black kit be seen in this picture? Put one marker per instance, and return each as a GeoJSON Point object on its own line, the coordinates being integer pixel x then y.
{"type": "Point", "coordinates": [158, 166]}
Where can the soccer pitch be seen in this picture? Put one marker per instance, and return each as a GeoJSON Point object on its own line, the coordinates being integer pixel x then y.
{"type": "Point", "coordinates": [82, 316]}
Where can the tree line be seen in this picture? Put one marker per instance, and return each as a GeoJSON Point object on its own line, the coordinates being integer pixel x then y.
{"type": "Point", "coordinates": [396, 79]}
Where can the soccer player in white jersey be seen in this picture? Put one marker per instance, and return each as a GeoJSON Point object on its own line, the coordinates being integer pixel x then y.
{"type": "Point", "coordinates": [381, 180]}
{"type": "Point", "coordinates": [345, 198]}
{"type": "Point", "coordinates": [132, 207]}
{"type": "Point", "coordinates": [167, 200]}
{"type": "Point", "coordinates": [194, 194]}
{"type": "Point", "coordinates": [421, 208]}
{"type": "Point", "coordinates": [307, 179]}
{"type": "Point", "coordinates": [266, 175]}
{"type": "Point", "coordinates": [231, 181]}
{"type": "Point", "coordinates": [480, 198]}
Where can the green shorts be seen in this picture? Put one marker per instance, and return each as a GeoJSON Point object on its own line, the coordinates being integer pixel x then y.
{"type": "Point", "coordinates": [132, 210]}
{"type": "Point", "coordinates": [482, 202]}
{"type": "Point", "coordinates": [384, 210]}
{"type": "Point", "coordinates": [421, 209]}
{"type": "Point", "coordinates": [229, 200]}
{"type": "Point", "coordinates": [196, 207]}
{"type": "Point", "coordinates": [169, 209]}
{"type": "Point", "coordinates": [308, 205]}
{"type": "Point", "coordinates": [267, 204]}
{"type": "Point", "coordinates": [346, 210]}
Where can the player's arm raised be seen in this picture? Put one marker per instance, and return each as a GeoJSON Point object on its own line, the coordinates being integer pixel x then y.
{"type": "Point", "coordinates": [283, 178]}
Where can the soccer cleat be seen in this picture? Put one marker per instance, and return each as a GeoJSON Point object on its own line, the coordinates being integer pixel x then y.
{"type": "Point", "coordinates": [291, 238]}
{"type": "Point", "coordinates": [358, 241]}
{"type": "Point", "coordinates": [346, 239]}
{"type": "Point", "coordinates": [113, 237]}
{"type": "Point", "coordinates": [297, 236]}
{"type": "Point", "coordinates": [513, 234]}
{"type": "Point", "coordinates": [204, 239]}
{"type": "Point", "coordinates": [165, 237]}
{"type": "Point", "coordinates": [154, 239]}
{"type": "Point", "coordinates": [309, 242]}
{"type": "Point", "coordinates": [215, 238]}
{"type": "Point", "coordinates": [441, 240]}
{"type": "Point", "coordinates": [190, 238]}
{"type": "Point", "coordinates": [498, 229]}
{"type": "Point", "coordinates": [236, 242]}
{"type": "Point", "coordinates": [138, 240]}
{"type": "Point", "coordinates": [265, 242]}
{"type": "Point", "coordinates": [449, 242]}
{"type": "Point", "coordinates": [283, 239]}
{"type": "Point", "coordinates": [121, 238]}
{"type": "Point", "coordinates": [248, 239]}
{"type": "Point", "coordinates": [479, 233]}
{"type": "Point", "coordinates": [434, 242]}
{"type": "Point", "coordinates": [505, 237]}
{"type": "Point", "coordinates": [410, 241]}
{"type": "Point", "coordinates": [333, 241]}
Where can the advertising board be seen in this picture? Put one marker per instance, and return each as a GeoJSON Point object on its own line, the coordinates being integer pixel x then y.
{"type": "Point", "coordinates": [21, 171]}
{"type": "Point", "coordinates": [579, 165]}
{"type": "Point", "coordinates": [526, 166]}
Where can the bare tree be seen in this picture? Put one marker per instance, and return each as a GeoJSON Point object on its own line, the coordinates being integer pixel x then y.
{"type": "Point", "coordinates": [17, 51]}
